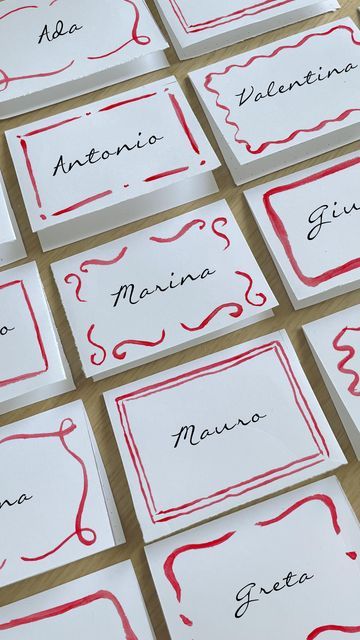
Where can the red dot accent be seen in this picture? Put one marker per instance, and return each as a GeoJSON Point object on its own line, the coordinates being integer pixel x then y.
{"type": "Point", "coordinates": [126, 186]}
{"type": "Point", "coordinates": [43, 216]}
{"type": "Point", "coordinates": [203, 162]}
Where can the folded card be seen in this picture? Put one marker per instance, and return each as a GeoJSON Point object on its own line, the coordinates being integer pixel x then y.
{"type": "Point", "coordinates": [205, 25]}
{"type": "Point", "coordinates": [106, 604]}
{"type": "Point", "coordinates": [241, 423]}
{"type": "Point", "coordinates": [271, 571]}
{"type": "Point", "coordinates": [32, 362]}
{"type": "Point", "coordinates": [111, 162]}
{"type": "Point", "coordinates": [161, 289]}
{"type": "Point", "coordinates": [70, 48]}
{"type": "Point", "coordinates": [310, 221]}
{"type": "Point", "coordinates": [11, 244]}
{"type": "Point", "coordinates": [335, 343]}
{"type": "Point", "coordinates": [285, 102]}
{"type": "Point", "coordinates": [59, 508]}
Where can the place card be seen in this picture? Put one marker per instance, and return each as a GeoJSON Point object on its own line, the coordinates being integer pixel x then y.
{"type": "Point", "coordinates": [271, 571]}
{"type": "Point", "coordinates": [199, 27]}
{"type": "Point", "coordinates": [58, 508]}
{"type": "Point", "coordinates": [33, 366]}
{"type": "Point", "coordinates": [67, 49]}
{"type": "Point", "coordinates": [11, 244]}
{"type": "Point", "coordinates": [106, 604]}
{"type": "Point", "coordinates": [161, 289]}
{"type": "Point", "coordinates": [243, 423]}
{"type": "Point", "coordinates": [310, 221]}
{"type": "Point", "coordinates": [111, 162]}
{"type": "Point", "coordinates": [287, 101]}
{"type": "Point", "coordinates": [335, 344]}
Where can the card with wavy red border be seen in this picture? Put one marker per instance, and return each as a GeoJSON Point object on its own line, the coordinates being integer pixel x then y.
{"type": "Point", "coordinates": [241, 576]}
{"type": "Point", "coordinates": [223, 430]}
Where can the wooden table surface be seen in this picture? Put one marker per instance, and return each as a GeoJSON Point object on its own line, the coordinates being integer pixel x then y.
{"type": "Point", "coordinates": [90, 392]}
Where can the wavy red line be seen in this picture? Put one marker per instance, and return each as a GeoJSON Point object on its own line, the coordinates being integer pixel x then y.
{"type": "Point", "coordinates": [103, 351]}
{"type": "Point", "coordinates": [74, 276]}
{"type": "Point", "coordinates": [262, 296]}
{"type": "Point", "coordinates": [223, 222]}
{"type": "Point", "coordinates": [332, 627]}
{"type": "Point", "coordinates": [238, 310]}
{"type": "Point", "coordinates": [349, 349]}
{"type": "Point", "coordinates": [321, 497]}
{"type": "Point", "coordinates": [6, 79]}
{"type": "Point", "coordinates": [29, 6]}
{"type": "Point", "coordinates": [97, 262]}
{"type": "Point", "coordinates": [189, 225]}
{"type": "Point", "coordinates": [142, 343]}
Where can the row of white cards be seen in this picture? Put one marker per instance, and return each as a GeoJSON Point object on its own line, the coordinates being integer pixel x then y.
{"type": "Point", "coordinates": [78, 178]}
{"type": "Point", "coordinates": [239, 576]}
{"type": "Point", "coordinates": [70, 49]}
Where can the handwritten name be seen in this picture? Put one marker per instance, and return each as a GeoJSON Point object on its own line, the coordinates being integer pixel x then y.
{"type": "Point", "coordinates": [326, 214]}
{"type": "Point", "coordinates": [273, 89]}
{"type": "Point", "coordinates": [192, 435]}
{"type": "Point", "coordinates": [94, 155]}
{"type": "Point", "coordinates": [60, 30]}
{"type": "Point", "coordinates": [251, 592]}
{"type": "Point", "coordinates": [128, 293]}
{"type": "Point", "coordinates": [8, 503]}
{"type": "Point", "coordinates": [5, 330]}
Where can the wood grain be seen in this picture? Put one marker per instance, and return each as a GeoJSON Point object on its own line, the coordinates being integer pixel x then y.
{"type": "Point", "coordinates": [90, 392]}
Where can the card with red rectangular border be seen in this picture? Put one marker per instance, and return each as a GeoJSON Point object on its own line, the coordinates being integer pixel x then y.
{"type": "Point", "coordinates": [59, 508]}
{"type": "Point", "coordinates": [32, 362]}
{"type": "Point", "coordinates": [241, 575]}
{"type": "Point", "coordinates": [244, 423]}
{"type": "Point", "coordinates": [67, 49]}
{"type": "Point", "coordinates": [114, 158]}
{"type": "Point", "coordinates": [310, 221]}
{"type": "Point", "coordinates": [198, 27]}
{"type": "Point", "coordinates": [310, 78]}
{"type": "Point", "coordinates": [11, 244]}
{"type": "Point", "coordinates": [335, 344]}
{"type": "Point", "coordinates": [109, 600]}
{"type": "Point", "coordinates": [161, 289]}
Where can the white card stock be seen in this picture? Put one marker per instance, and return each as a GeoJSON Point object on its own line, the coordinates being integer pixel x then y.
{"type": "Point", "coordinates": [11, 244]}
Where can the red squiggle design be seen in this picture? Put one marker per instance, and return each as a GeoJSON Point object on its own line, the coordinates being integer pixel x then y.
{"type": "Point", "coordinates": [74, 276]}
{"type": "Point", "coordinates": [29, 6]}
{"type": "Point", "coordinates": [189, 225]}
{"type": "Point", "coordinates": [5, 79]}
{"type": "Point", "coordinates": [238, 310]}
{"type": "Point", "coordinates": [71, 606]}
{"type": "Point", "coordinates": [98, 346]}
{"type": "Point", "coordinates": [332, 627]}
{"type": "Point", "coordinates": [102, 263]}
{"type": "Point", "coordinates": [262, 296]}
{"type": "Point", "coordinates": [170, 560]}
{"type": "Point", "coordinates": [79, 531]}
{"type": "Point", "coordinates": [326, 500]}
{"type": "Point", "coordinates": [345, 114]}
{"type": "Point", "coordinates": [143, 343]}
{"type": "Point", "coordinates": [135, 37]}
{"type": "Point", "coordinates": [223, 222]}
{"type": "Point", "coordinates": [349, 349]}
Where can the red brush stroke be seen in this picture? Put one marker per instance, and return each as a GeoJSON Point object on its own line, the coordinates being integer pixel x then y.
{"type": "Point", "coordinates": [345, 114]}
{"type": "Point", "coordinates": [121, 103]}
{"type": "Point", "coordinates": [180, 115]}
{"type": "Point", "coordinates": [23, 145]}
{"type": "Point", "coordinates": [352, 555]}
{"type": "Point", "coordinates": [33, 374]}
{"type": "Point", "coordinates": [143, 343]}
{"type": "Point", "coordinates": [29, 6]}
{"type": "Point", "coordinates": [103, 355]}
{"type": "Point", "coordinates": [71, 606]}
{"type": "Point", "coordinates": [221, 20]}
{"type": "Point", "coordinates": [349, 349]}
{"type": "Point", "coordinates": [189, 225]}
{"type": "Point", "coordinates": [262, 479]}
{"type": "Point", "coordinates": [236, 313]}
{"type": "Point", "coordinates": [166, 174]}
{"type": "Point", "coordinates": [79, 530]}
{"type": "Point", "coordinates": [49, 127]}
{"type": "Point", "coordinates": [3, 563]}
{"type": "Point", "coordinates": [102, 263]}
{"type": "Point", "coordinates": [320, 497]}
{"type": "Point", "coordinates": [5, 79]}
{"type": "Point", "coordinates": [280, 230]}
{"type": "Point", "coordinates": [223, 222]}
{"type": "Point", "coordinates": [74, 276]}
{"type": "Point", "coordinates": [332, 627]}
{"type": "Point", "coordinates": [82, 203]}
{"type": "Point", "coordinates": [135, 37]}
{"type": "Point", "coordinates": [262, 296]}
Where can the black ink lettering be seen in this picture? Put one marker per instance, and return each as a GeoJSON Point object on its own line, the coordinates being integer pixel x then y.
{"type": "Point", "coordinates": [59, 30]}
{"type": "Point", "coordinates": [194, 439]}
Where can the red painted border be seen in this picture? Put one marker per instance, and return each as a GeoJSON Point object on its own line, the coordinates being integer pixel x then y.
{"type": "Point", "coordinates": [264, 145]}
{"type": "Point", "coordinates": [280, 229]}
{"type": "Point", "coordinates": [71, 606]}
{"type": "Point", "coordinates": [353, 387]}
{"type": "Point", "coordinates": [33, 374]}
{"type": "Point", "coordinates": [222, 19]}
{"type": "Point", "coordinates": [185, 128]}
{"type": "Point", "coordinates": [158, 515]}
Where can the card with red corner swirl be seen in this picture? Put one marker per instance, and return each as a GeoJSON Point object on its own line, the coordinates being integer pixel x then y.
{"type": "Point", "coordinates": [11, 244]}
{"type": "Point", "coordinates": [199, 27]}
{"type": "Point", "coordinates": [33, 366]}
{"type": "Point", "coordinates": [286, 101]}
{"type": "Point", "coordinates": [111, 162]}
{"type": "Point", "coordinates": [106, 604]}
{"type": "Point", "coordinates": [162, 289]}
{"type": "Point", "coordinates": [310, 221]}
{"type": "Point", "coordinates": [335, 344]}
{"type": "Point", "coordinates": [243, 423]}
{"type": "Point", "coordinates": [241, 575]}
{"type": "Point", "coordinates": [58, 508]}
{"type": "Point", "coordinates": [70, 48]}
